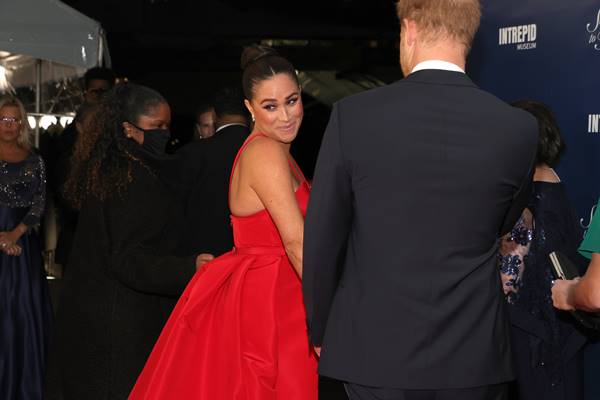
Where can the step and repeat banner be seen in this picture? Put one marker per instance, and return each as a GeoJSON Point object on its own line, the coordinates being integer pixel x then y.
{"type": "Point", "coordinates": [549, 51]}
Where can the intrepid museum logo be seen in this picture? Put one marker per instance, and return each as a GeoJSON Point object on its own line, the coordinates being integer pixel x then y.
{"type": "Point", "coordinates": [594, 123]}
{"type": "Point", "coordinates": [587, 226]}
{"type": "Point", "coordinates": [593, 29]}
{"type": "Point", "coordinates": [523, 36]}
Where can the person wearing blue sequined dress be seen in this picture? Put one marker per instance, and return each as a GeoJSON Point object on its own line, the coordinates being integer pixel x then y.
{"type": "Point", "coordinates": [547, 344]}
{"type": "Point", "coordinates": [25, 309]}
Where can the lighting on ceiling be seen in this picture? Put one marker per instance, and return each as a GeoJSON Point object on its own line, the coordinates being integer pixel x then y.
{"type": "Point", "coordinates": [47, 120]}
{"type": "Point", "coordinates": [5, 86]}
{"type": "Point", "coordinates": [32, 121]}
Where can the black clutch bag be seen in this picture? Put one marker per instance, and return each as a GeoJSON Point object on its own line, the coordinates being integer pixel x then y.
{"type": "Point", "coordinates": [564, 268]}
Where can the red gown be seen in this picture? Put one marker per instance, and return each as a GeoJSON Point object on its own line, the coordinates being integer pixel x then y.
{"type": "Point", "coordinates": [239, 330]}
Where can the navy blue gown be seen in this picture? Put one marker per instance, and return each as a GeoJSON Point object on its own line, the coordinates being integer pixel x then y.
{"type": "Point", "coordinates": [547, 344]}
{"type": "Point", "coordinates": [25, 309]}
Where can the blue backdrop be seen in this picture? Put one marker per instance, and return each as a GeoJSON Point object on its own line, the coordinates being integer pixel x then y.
{"type": "Point", "coordinates": [549, 50]}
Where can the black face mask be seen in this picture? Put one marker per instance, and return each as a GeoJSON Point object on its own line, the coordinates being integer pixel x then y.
{"type": "Point", "coordinates": [155, 140]}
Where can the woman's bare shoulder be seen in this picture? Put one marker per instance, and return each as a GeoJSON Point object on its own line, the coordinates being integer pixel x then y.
{"type": "Point", "coordinates": [545, 175]}
{"type": "Point", "coordinates": [264, 152]}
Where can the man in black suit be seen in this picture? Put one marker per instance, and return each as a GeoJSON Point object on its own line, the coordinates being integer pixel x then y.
{"type": "Point", "coordinates": [205, 167]}
{"type": "Point", "coordinates": [414, 185]}
{"type": "Point", "coordinates": [205, 122]}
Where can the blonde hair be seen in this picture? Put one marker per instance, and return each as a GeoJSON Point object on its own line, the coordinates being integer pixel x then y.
{"type": "Point", "coordinates": [24, 139]}
{"type": "Point", "coordinates": [458, 19]}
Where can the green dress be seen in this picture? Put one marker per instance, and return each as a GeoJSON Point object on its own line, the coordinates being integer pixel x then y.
{"type": "Point", "coordinates": [591, 243]}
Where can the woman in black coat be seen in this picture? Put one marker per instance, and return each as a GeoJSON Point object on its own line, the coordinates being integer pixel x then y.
{"type": "Point", "coordinates": [121, 280]}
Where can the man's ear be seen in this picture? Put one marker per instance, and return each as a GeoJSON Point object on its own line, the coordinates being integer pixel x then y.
{"type": "Point", "coordinates": [410, 31]}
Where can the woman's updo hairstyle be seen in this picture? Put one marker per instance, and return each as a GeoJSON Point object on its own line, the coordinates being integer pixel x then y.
{"type": "Point", "coordinates": [550, 143]}
{"type": "Point", "coordinates": [260, 63]}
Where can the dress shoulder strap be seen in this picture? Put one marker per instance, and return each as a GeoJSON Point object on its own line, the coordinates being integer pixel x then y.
{"type": "Point", "coordinates": [237, 156]}
{"type": "Point", "coordinates": [297, 171]}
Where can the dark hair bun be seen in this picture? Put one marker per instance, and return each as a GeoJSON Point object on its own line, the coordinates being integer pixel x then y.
{"type": "Point", "coordinates": [254, 53]}
{"type": "Point", "coordinates": [260, 63]}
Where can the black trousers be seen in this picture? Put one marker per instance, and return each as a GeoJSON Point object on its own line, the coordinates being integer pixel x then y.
{"type": "Point", "coordinates": [492, 392]}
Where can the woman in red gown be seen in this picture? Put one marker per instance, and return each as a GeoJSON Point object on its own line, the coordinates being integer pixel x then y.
{"type": "Point", "coordinates": [238, 331]}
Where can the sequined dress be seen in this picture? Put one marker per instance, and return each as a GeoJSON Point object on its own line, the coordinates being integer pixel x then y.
{"type": "Point", "coordinates": [25, 309]}
{"type": "Point", "coordinates": [546, 342]}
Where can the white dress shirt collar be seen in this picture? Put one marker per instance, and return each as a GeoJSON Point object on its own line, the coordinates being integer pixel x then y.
{"type": "Point", "coordinates": [226, 125]}
{"type": "Point", "coordinates": [437, 64]}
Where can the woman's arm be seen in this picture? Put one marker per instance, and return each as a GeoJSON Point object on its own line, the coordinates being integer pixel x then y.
{"type": "Point", "coordinates": [140, 267]}
{"type": "Point", "coordinates": [514, 246]}
{"type": "Point", "coordinates": [584, 293]}
{"type": "Point", "coordinates": [267, 169]}
{"type": "Point", "coordinates": [580, 294]}
{"type": "Point", "coordinates": [134, 236]}
{"type": "Point", "coordinates": [38, 202]}
{"type": "Point", "coordinates": [34, 215]}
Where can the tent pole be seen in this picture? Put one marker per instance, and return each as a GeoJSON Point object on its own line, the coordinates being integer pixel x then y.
{"type": "Point", "coordinates": [38, 100]}
{"type": "Point", "coordinates": [100, 48]}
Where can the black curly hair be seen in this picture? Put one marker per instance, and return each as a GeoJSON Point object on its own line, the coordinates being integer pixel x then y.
{"type": "Point", "coordinates": [103, 157]}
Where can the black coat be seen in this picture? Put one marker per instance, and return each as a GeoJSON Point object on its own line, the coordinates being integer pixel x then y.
{"type": "Point", "coordinates": [67, 216]}
{"type": "Point", "coordinates": [121, 286]}
{"type": "Point", "coordinates": [412, 188]}
{"type": "Point", "coordinates": [205, 168]}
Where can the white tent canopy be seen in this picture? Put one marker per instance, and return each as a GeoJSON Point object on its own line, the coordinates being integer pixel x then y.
{"type": "Point", "coordinates": [51, 30]}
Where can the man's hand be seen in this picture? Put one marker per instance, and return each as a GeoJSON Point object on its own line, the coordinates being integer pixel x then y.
{"type": "Point", "coordinates": [318, 351]}
{"type": "Point", "coordinates": [562, 293]}
{"type": "Point", "coordinates": [203, 259]}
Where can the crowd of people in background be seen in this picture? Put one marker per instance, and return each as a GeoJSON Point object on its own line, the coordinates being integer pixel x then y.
{"type": "Point", "coordinates": [206, 245]}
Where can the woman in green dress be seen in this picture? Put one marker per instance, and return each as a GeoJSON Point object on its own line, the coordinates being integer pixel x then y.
{"type": "Point", "coordinates": [583, 293]}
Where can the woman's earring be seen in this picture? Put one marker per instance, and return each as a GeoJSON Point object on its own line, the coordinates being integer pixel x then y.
{"type": "Point", "coordinates": [253, 119]}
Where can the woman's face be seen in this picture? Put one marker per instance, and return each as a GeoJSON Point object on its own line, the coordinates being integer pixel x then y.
{"type": "Point", "coordinates": [10, 123]}
{"type": "Point", "coordinates": [158, 117]}
{"type": "Point", "coordinates": [277, 107]}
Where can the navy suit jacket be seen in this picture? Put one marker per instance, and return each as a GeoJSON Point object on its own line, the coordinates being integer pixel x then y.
{"type": "Point", "coordinates": [414, 184]}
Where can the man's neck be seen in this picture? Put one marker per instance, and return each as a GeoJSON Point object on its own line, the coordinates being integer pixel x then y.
{"type": "Point", "coordinates": [441, 53]}
{"type": "Point", "coordinates": [231, 119]}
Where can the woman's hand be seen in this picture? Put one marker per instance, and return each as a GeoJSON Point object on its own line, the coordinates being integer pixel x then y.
{"type": "Point", "coordinates": [7, 239]}
{"type": "Point", "coordinates": [562, 293]}
{"type": "Point", "coordinates": [11, 237]}
{"type": "Point", "coordinates": [202, 259]}
{"type": "Point", "coordinates": [10, 249]}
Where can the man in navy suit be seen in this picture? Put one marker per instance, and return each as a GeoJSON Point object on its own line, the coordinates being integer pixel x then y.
{"type": "Point", "coordinates": [414, 185]}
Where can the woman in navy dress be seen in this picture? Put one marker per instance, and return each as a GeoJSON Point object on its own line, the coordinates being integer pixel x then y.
{"type": "Point", "coordinates": [25, 310]}
{"type": "Point", "coordinates": [546, 342]}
